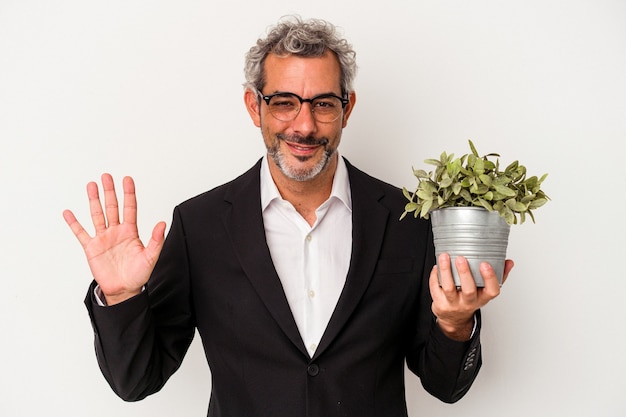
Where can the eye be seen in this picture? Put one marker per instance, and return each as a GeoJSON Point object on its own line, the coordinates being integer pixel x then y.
{"type": "Point", "coordinates": [325, 103]}
{"type": "Point", "coordinates": [284, 101]}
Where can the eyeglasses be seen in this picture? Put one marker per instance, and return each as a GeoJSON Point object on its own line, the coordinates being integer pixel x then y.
{"type": "Point", "coordinates": [326, 108]}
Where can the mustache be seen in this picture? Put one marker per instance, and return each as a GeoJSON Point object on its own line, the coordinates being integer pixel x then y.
{"type": "Point", "coordinates": [303, 140]}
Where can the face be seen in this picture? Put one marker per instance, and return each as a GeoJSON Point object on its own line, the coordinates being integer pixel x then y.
{"type": "Point", "coordinates": [302, 149]}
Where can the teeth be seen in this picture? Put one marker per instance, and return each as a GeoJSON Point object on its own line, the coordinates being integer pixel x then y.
{"type": "Point", "coordinates": [301, 148]}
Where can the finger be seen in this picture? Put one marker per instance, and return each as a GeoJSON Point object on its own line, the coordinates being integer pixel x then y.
{"type": "Point", "coordinates": [433, 283]}
{"type": "Point", "coordinates": [110, 200]}
{"type": "Point", "coordinates": [95, 208]}
{"type": "Point", "coordinates": [445, 274]}
{"type": "Point", "coordinates": [508, 265]}
{"type": "Point", "coordinates": [78, 230]}
{"type": "Point", "coordinates": [492, 287]}
{"type": "Point", "coordinates": [156, 242]}
{"type": "Point", "coordinates": [468, 285]}
{"type": "Point", "coordinates": [130, 201]}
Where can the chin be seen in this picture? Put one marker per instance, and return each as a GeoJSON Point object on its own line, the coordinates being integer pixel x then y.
{"type": "Point", "coordinates": [292, 171]}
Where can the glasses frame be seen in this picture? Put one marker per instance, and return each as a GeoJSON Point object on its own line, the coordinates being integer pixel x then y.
{"type": "Point", "coordinates": [267, 98]}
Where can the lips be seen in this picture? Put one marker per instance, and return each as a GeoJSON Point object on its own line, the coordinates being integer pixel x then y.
{"type": "Point", "coordinates": [301, 149]}
{"type": "Point", "coordinates": [301, 146]}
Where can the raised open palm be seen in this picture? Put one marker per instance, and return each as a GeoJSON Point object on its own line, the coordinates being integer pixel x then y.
{"type": "Point", "coordinates": [119, 262]}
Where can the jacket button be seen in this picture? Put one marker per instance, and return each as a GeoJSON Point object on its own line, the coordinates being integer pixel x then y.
{"type": "Point", "coordinates": [313, 370]}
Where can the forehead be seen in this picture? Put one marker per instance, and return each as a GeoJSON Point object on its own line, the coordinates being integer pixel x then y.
{"type": "Point", "coordinates": [302, 74]}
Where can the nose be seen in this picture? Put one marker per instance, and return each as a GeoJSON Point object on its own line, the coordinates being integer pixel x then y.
{"type": "Point", "coordinates": [304, 123]}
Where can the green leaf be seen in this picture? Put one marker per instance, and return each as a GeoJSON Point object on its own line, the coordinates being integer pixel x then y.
{"type": "Point", "coordinates": [407, 194]}
{"type": "Point", "coordinates": [466, 195]}
{"type": "Point", "coordinates": [426, 207]}
{"type": "Point", "coordinates": [445, 183]}
{"type": "Point", "coordinates": [473, 148]}
{"type": "Point", "coordinates": [429, 187]}
{"type": "Point", "coordinates": [484, 203]}
{"type": "Point", "coordinates": [498, 196]}
{"type": "Point", "coordinates": [489, 166]}
{"type": "Point", "coordinates": [454, 167]}
{"type": "Point", "coordinates": [505, 190]}
{"type": "Point", "coordinates": [466, 171]}
{"type": "Point", "coordinates": [519, 173]}
{"type": "Point", "coordinates": [434, 162]}
{"type": "Point", "coordinates": [409, 207]}
{"type": "Point", "coordinates": [420, 173]}
{"type": "Point", "coordinates": [479, 166]}
{"type": "Point", "coordinates": [537, 203]}
{"type": "Point", "coordinates": [511, 167]}
{"type": "Point", "coordinates": [485, 179]}
{"type": "Point", "coordinates": [501, 180]}
{"type": "Point", "coordinates": [509, 216]}
{"type": "Point", "coordinates": [481, 189]}
{"type": "Point", "coordinates": [423, 195]}
{"type": "Point", "coordinates": [471, 161]}
{"type": "Point", "coordinates": [516, 205]}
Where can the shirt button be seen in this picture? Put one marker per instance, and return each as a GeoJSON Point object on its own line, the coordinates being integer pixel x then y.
{"type": "Point", "coordinates": [313, 370]}
{"type": "Point", "coordinates": [312, 347]}
{"type": "Point", "coordinates": [311, 293]}
{"type": "Point", "coordinates": [308, 238]}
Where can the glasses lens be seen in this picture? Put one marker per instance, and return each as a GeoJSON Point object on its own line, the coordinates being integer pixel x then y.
{"type": "Point", "coordinates": [285, 107]}
{"type": "Point", "coordinates": [326, 108]}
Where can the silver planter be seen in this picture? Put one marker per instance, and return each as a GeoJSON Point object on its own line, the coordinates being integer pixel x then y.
{"type": "Point", "coordinates": [475, 233]}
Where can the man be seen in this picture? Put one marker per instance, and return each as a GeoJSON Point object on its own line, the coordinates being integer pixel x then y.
{"type": "Point", "coordinates": [308, 293]}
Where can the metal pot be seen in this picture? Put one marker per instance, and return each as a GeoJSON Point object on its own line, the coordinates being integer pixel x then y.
{"type": "Point", "coordinates": [475, 233]}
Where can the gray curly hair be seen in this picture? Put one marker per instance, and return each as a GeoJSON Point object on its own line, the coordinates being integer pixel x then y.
{"type": "Point", "coordinates": [305, 38]}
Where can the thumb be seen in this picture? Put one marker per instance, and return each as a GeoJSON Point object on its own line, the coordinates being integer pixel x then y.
{"type": "Point", "coordinates": [156, 241]}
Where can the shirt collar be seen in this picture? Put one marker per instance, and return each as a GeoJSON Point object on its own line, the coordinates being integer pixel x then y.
{"type": "Point", "coordinates": [340, 190]}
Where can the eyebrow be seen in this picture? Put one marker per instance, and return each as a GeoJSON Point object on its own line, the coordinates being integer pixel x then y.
{"type": "Point", "coordinates": [315, 95]}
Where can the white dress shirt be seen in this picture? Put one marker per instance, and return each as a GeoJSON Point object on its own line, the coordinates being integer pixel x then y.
{"type": "Point", "coordinates": [311, 261]}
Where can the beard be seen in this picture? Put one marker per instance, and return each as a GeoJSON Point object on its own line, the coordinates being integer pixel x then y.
{"type": "Point", "coordinates": [292, 172]}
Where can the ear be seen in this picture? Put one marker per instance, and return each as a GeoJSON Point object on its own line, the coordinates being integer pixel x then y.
{"type": "Point", "coordinates": [348, 109]}
{"type": "Point", "coordinates": [251, 99]}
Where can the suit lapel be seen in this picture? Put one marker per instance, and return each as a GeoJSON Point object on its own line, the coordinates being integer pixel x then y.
{"type": "Point", "coordinates": [369, 219]}
{"type": "Point", "coordinates": [244, 223]}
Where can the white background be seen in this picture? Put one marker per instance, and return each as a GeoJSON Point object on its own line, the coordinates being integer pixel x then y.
{"type": "Point", "coordinates": [153, 89]}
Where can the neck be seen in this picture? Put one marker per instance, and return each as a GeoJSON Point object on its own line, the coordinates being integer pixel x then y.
{"type": "Point", "coordinates": [305, 196]}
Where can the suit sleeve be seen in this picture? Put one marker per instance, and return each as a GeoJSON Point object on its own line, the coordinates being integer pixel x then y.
{"type": "Point", "coordinates": [446, 368]}
{"type": "Point", "coordinates": [141, 342]}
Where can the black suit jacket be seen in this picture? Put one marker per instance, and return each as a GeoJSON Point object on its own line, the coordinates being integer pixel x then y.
{"type": "Point", "coordinates": [215, 274]}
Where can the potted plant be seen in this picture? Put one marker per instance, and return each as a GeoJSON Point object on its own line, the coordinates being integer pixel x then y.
{"type": "Point", "coordinates": [472, 203]}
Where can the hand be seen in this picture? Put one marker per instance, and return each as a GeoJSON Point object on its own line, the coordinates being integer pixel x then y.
{"type": "Point", "coordinates": [455, 308]}
{"type": "Point", "coordinates": [118, 260]}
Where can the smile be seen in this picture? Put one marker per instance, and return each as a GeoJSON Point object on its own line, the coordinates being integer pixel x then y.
{"type": "Point", "coordinates": [302, 148]}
